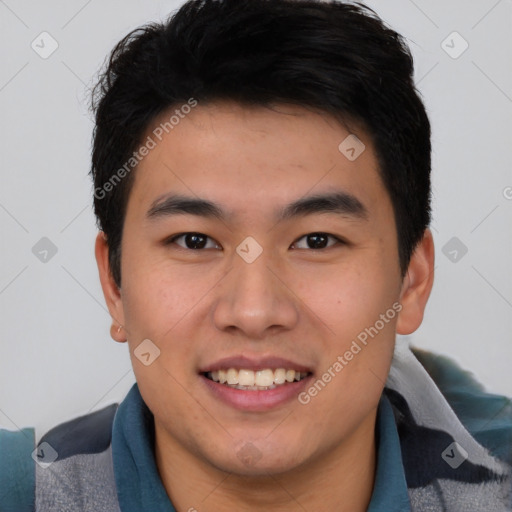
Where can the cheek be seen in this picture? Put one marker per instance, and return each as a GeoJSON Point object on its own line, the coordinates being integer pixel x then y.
{"type": "Point", "coordinates": [157, 300]}
{"type": "Point", "coordinates": [351, 302]}
{"type": "Point", "coordinates": [358, 347]}
{"type": "Point", "coordinates": [157, 295]}
{"type": "Point", "coordinates": [348, 298]}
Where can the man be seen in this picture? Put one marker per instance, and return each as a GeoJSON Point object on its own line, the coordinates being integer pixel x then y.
{"type": "Point", "coordinates": [262, 187]}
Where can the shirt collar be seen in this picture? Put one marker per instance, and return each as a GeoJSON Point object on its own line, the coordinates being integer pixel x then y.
{"type": "Point", "coordinates": [390, 487]}
{"type": "Point", "coordinates": [138, 482]}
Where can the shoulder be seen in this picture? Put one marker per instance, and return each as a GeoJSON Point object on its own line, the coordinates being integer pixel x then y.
{"type": "Point", "coordinates": [487, 416]}
{"type": "Point", "coordinates": [87, 434]}
{"type": "Point", "coordinates": [70, 468]}
{"type": "Point", "coordinates": [17, 477]}
{"type": "Point", "coordinates": [455, 438]}
{"type": "Point", "coordinates": [74, 470]}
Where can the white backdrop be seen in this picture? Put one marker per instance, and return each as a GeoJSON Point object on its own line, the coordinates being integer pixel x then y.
{"type": "Point", "coordinates": [57, 359]}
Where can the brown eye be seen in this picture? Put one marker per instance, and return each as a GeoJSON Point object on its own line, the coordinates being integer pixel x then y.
{"type": "Point", "coordinates": [194, 241]}
{"type": "Point", "coordinates": [316, 241]}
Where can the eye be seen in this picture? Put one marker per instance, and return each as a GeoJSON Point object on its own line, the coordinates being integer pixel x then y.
{"type": "Point", "coordinates": [316, 241]}
{"type": "Point", "coordinates": [193, 241]}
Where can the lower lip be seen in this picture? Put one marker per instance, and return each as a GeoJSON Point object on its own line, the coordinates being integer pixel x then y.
{"type": "Point", "coordinates": [256, 401]}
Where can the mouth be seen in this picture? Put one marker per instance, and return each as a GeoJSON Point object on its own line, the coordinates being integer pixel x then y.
{"type": "Point", "coordinates": [259, 380]}
{"type": "Point", "coordinates": [253, 383]}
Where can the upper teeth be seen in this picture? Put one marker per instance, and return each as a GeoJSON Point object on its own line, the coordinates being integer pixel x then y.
{"type": "Point", "coordinates": [260, 378]}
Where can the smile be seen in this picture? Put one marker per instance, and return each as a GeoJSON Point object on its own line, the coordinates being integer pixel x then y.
{"type": "Point", "coordinates": [259, 380]}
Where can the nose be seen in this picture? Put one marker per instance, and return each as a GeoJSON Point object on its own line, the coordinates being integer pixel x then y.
{"type": "Point", "coordinates": [254, 299]}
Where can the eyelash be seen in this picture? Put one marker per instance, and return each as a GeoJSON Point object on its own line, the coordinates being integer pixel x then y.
{"type": "Point", "coordinates": [338, 240]}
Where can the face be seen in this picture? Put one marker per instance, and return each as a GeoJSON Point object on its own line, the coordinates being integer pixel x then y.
{"type": "Point", "coordinates": [255, 251]}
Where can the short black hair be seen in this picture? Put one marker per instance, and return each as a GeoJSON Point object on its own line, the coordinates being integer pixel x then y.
{"type": "Point", "coordinates": [335, 57]}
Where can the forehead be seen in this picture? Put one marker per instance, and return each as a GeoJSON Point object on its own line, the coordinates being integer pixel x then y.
{"type": "Point", "coordinates": [254, 158]}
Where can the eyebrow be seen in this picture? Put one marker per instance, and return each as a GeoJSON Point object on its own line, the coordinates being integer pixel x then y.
{"type": "Point", "coordinates": [339, 202]}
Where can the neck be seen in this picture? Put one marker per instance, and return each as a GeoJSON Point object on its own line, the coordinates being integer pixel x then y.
{"type": "Point", "coordinates": [341, 478]}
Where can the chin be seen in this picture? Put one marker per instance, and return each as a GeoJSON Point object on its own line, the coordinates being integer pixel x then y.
{"type": "Point", "coordinates": [254, 460]}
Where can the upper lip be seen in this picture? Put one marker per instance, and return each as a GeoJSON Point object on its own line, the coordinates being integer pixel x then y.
{"type": "Point", "coordinates": [254, 363]}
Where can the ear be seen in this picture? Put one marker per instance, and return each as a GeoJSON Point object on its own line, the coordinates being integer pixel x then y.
{"type": "Point", "coordinates": [416, 286]}
{"type": "Point", "coordinates": [111, 292]}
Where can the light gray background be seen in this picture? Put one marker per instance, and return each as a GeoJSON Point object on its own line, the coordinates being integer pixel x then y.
{"type": "Point", "coordinates": [57, 358]}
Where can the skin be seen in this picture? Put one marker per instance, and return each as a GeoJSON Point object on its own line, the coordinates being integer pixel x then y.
{"type": "Point", "coordinates": [293, 301]}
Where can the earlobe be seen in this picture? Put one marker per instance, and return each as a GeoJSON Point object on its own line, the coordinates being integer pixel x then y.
{"type": "Point", "coordinates": [111, 292]}
{"type": "Point", "coordinates": [116, 332]}
{"type": "Point", "coordinates": [417, 285]}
